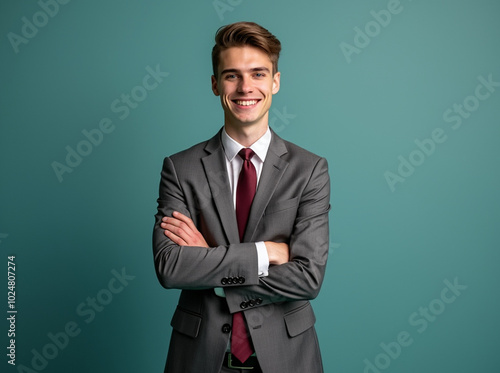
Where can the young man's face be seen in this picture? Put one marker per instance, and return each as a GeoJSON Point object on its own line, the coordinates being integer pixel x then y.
{"type": "Point", "coordinates": [246, 86]}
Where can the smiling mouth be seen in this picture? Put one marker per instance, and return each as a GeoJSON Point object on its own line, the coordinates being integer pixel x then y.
{"type": "Point", "coordinates": [245, 102]}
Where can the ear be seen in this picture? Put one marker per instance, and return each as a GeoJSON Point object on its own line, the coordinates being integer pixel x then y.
{"type": "Point", "coordinates": [276, 82]}
{"type": "Point", "coordinates": [215, 88]}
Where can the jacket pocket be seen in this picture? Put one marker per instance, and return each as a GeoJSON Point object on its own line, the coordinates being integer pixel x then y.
{"type": "Point", "coordinates": [300, 319]}
{"type": "Point", "coordinates": [186, 322]}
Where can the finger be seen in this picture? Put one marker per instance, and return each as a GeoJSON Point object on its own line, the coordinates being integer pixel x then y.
{"type": "Point", "coordinates": [179, 229]}
{"type": "Point", "coordinates": [183, 226]}
{"type": "Point", "coordinates": [176, 226]}
{"type": "Point", "coordinates": [180, 216]}
{"type": "Point", "coordinates": [171, 220]}
{"type": "Point", "coordinates": [176, 239]}
{"type": "Point", "coordinates": [184, 219]}
{"type": "Point", "coordinates": [184, 223]}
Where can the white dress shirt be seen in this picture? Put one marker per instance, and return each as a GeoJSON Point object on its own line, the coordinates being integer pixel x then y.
{"type": "Point", "coordinates": [234, 163]}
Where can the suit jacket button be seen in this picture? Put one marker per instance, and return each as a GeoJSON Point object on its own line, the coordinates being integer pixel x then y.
{"type": "Point", "coordinates": [243, 305]}
{"type": "Point", "coordinates": [224, 281]}
{"type": "Point", "coordinates": [226, 328]}
{"type": "Point", "coordinates": [251, 302]}
{"type": "Point", "coordinates": [241, 280]}
{"type": "Point", "coordinates": [259, 301]}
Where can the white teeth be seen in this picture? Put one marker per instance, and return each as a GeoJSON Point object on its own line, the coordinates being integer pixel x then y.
{"type": "Point", "coordinates": [246, 103]}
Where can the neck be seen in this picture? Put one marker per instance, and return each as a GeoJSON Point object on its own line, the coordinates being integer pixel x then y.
{"type": "Point", "coordinates": [246, 135]}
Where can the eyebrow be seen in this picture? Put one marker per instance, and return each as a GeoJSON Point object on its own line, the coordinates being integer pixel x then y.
{"type": "Point", "coordinates": [255, 69]}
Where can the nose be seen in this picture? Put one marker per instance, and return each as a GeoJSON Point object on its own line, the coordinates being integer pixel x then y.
{"type": "Point", "coordinates": [245, 85]}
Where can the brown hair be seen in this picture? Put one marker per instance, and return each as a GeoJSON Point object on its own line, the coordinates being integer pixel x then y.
{"type": "Point", "coordinates": [245, 33]}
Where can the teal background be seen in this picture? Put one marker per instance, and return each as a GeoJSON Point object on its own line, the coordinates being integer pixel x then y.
{"type": "Point", "coordinates": [391, 250]}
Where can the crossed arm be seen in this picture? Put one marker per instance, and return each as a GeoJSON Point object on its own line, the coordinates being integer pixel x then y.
{"type": "Point", "coordinates": [187, 259]}
{"type": "Point", "coordinates": [182, 231]}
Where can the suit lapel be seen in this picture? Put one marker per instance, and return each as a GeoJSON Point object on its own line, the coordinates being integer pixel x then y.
{"type": "Point", "coordinates": [272, 171]}
{"type": "Point", "coordinates": [216, 173]}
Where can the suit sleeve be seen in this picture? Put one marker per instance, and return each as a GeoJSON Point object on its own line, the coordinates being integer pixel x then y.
{"type": "Point", "coordinates": [188, 267]}
{"type": "Point", "coordinates": [302, 276]}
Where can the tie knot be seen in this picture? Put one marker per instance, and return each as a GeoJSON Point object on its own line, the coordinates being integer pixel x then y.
{"type": "Point", "coordinates": [246, 154]}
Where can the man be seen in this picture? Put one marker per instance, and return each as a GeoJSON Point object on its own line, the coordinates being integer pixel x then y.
{"type": "Point", "coordinates": [242, 228]}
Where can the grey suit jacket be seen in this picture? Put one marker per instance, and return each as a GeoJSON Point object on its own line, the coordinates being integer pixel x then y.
{"type": "Point", "coordinates": [291, 205]}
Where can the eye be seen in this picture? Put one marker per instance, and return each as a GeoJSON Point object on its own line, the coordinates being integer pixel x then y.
{"type": "Point", "coordinates": [259, 75]}
{"type": "Point", "coordinates": [231, 76]}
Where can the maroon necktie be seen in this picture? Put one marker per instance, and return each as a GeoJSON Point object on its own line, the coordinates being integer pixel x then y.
{"type": "Point", "coordinates": [241, 347]}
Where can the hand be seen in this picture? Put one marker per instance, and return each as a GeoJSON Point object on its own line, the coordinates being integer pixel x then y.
{"type": "Point", "coordinates": [278, 253]}
{"type": "Point", "coordinates": [182, 231]}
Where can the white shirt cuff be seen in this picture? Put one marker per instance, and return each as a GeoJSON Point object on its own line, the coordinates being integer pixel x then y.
{"type": "Point", "coordinates": [263, 259]}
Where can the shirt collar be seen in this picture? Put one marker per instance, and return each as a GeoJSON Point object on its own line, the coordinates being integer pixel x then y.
{"type": "Point", "coordinates": [232, 147]}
